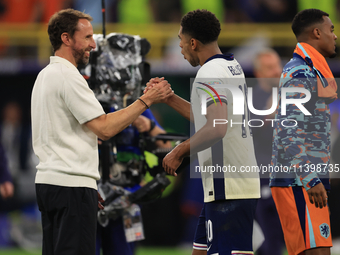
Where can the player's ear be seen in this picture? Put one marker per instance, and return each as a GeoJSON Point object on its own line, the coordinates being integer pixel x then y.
{"type": "Point", "coordinates": [193, 43]}
{"type": "Point", "coordinates": [316, 32]}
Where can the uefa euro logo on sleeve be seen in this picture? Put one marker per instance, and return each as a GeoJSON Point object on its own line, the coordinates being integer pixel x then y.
{"type": "Point", "coordinates": [213, 90]}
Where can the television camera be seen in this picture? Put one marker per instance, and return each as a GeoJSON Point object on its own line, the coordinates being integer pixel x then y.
{"type": "Point", "coordinates": [115, 74]}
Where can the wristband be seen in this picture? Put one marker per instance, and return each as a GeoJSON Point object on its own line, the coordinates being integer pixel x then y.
{"type": "Point", "coordinates": [152, 125]}
{"type": "Point", "coordinates": [147, 107]}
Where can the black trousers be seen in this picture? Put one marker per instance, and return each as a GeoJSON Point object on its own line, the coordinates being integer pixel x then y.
{"type": "Point", "coordinates": [69, 219]}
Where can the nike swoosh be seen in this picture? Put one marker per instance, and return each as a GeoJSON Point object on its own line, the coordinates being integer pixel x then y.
{"type": "Point", "coordinates": [209, 247]}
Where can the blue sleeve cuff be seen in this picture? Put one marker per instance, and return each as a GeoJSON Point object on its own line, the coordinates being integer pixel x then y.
{"type": "Point", "coordinates": [310, 180]}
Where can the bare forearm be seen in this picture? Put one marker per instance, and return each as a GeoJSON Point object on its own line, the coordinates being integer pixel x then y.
{"type": "Point", "coordinates": [200, 141]}
{"type": "Point", "coordinates": [109, 125]}
{"type": "Point", "coordinates": [181, 106]}
{"type": "Point", "coordinates": [119, 120]}
{"type": "Point", "coordinates": [203, 139]}
{"type": "Point", "coordinates": [209, 134]}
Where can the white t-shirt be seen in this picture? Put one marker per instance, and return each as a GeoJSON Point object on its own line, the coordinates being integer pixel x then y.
{"type": "Point", "coordinates": [61, 103]}
{"type": "Point", "coordinates": [234, 154]}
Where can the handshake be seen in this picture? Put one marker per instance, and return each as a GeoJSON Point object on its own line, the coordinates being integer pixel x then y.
{"type": "Point", "coordinates": [157, 90]}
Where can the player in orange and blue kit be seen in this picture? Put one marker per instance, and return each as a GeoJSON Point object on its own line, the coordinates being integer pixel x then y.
{"type": "Point", "coordinates": [301, 145]}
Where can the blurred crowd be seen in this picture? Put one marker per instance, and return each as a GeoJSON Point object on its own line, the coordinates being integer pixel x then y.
{"type": "Point", "coordinates": [18, 210]}
{"type": "Point", "coordinates": [147, 11]}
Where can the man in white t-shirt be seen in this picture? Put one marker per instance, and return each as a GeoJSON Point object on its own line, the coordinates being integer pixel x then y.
{"type": "Point", "coordinates": [222, 140]}
{"type": "Point", "coordinates": [67, 119]}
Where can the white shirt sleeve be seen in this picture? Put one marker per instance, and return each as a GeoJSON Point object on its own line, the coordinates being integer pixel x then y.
{"type": "Point", "coordinates": [210, 84]}
{"type": "Point", "coordinates": [80, 99]}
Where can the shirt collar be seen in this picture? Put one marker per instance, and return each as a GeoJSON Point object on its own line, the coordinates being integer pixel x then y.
{"type": "Point", "coordinates": [229, 56]}
{"type": "Point", "coordinates": [56, 59]}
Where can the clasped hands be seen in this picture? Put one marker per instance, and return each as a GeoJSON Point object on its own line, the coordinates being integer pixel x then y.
{"type": "Point", "coordinates": [159, 90]}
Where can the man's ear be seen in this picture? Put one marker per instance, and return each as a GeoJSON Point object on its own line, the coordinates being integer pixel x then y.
{"type": "Point", "coordinates": [193, 43]}
{"type": "Point", "coordinates": [65, 37]}
{"type": "Point", "coordinates": [316, 33]}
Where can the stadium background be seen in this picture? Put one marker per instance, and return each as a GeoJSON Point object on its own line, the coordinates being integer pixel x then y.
{"type": "Point", "coordinates": [25, 50]}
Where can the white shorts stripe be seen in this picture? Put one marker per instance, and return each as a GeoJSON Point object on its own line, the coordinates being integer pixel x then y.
{"type": "Point", "coordinates": [198, 246]}
{"type": "Point", "coordinates": [242, 252]}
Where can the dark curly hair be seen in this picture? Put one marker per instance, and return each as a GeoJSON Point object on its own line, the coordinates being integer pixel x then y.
{"type": "Point", "coordinates": [305, 19]}
{"type": "Point", "coordinates": [201, 25]}
{"type": "Point", "coordinates": [64, 21]}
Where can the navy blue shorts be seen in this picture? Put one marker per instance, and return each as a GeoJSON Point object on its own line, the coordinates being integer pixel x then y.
{"type": "Point", "coordinates": [226, 227]}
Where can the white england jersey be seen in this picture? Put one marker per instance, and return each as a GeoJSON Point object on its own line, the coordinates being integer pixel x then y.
{"type": "Point", "coordinates": [232, 159]}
